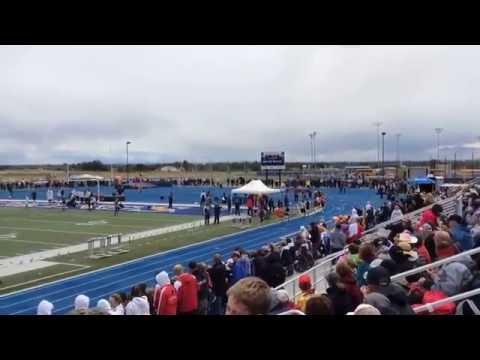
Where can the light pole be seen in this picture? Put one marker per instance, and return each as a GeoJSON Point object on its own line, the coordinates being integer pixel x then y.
{"type": "Point", "coordinates": [312, 135]}
{"type": "Point", "coordinates": [398, 151]}
{"type": "Point", "coordinates": [383, 153]}
{"type": "Point", "coordinates": [127, 143]}
{"type": "Point", "coordinates": [438, 131]}
{"type": "Point", "coordinates": [377, 124]}
{"type": "Point", "coordinates": [314, 149]}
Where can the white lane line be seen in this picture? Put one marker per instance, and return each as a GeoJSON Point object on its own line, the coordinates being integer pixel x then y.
{"type": "Point", "coordinates": [45, 277]}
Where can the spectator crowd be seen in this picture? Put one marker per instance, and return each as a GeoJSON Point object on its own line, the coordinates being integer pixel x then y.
{"type": "Point", "coordinates": [360, 282]}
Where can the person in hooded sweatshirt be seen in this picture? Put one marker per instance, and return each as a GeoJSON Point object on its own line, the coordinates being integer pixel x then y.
{"type": "Point", "coordinates": [139, 304]}
{"type": "Point", "coordinates": [104, 306]}
{"type": "Point", "coordinates": [187, 292]}
{"type": "Point", "coordinates": [165, 296]}
{"type": "Point", "coordinates": [45, 308]}
{"type": "Point", "coordinates": [81, 305]}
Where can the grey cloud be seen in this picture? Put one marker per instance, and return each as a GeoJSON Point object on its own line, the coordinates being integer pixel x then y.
{"type": "Point", "coordinates": [207, 103]}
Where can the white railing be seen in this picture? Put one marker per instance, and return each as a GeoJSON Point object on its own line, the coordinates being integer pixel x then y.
{"type": "Point", "coordinates": [435, 264]}
{"type": "Point", "coordinates": [318, 272]}
{"type": "Point", "coordinates": [431, 306]}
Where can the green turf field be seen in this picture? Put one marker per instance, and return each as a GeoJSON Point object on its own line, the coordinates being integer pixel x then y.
{"type": "Point", "coordinates": [27, 230]}
{"type": "Point", "coordinates": [73, 264]}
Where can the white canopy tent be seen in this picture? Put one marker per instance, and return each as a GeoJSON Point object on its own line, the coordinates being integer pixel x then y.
{"type": "Point", "coordinates": [87, 177]}
{"type": "Point", "coordinates": [255, 187]}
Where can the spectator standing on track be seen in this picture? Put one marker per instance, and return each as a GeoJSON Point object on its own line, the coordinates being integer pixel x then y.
{"type": "Point", "coordinates": [170, 200]}
{"type": "Point", "coordinates": [165, 299]}
{"type": "Point", "coordinates": [241, 267]}
{"type": "Point", "coordinates": [187, 292]}
{"type": "Point", "coordinates": [45, 308]}
{"type": "Point", "coordinates": [219, 276]}
{"type": "Point", "coordinates": [229, 204]}
{"type": "Point", "coordinates": [206, 211]}
{"type": "Point", "coordinates": [116, 206]}
{"type": "Point", "coordinates": [116, 304]}
{"type": "Point", "coordinates": [81, 305]}
{"type": "Point", "coordinates": [216, 212]}
{"type": "Point", "coordinates": [236, 202]}
{"type": "Point", "coordinates": [204, 285]}
{"type": "Point", "coordinates": [249, 296]}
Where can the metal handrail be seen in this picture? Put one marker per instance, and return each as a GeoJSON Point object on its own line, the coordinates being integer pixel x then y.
{"type": "Point", "coordinates": [435, 264]}
{"type": "Point", "coordinates": [431, 306]}
{"type": "Point", "coordinates": [292, 282]}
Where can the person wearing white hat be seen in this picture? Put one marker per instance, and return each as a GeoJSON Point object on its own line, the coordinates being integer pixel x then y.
{"type": "Point", "coordinates": [45, 308]}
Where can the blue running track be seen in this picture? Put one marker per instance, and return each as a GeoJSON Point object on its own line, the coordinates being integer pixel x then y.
{"type": "Point", "coordinates": [102, 283]}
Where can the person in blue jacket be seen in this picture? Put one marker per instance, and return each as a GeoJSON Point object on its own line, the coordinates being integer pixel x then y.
{"type": "Point", "coordinates": [461, 235]}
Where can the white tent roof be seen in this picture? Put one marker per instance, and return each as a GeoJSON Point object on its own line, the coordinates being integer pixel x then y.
{"type": "Point", "coordinates": [86, 177]}
{"type": "Point", "coordinates": [255, 187]}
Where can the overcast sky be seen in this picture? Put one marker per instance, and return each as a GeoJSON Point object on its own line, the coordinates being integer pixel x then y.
{"type": "Point", "coordinates": [219, 103]}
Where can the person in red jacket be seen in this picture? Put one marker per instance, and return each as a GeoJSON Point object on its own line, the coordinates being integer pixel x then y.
{"type": "Point", "coordinates": [165, 296]}
{"type": "Point", "coordinates": [431, 216]}
{"type": "Point", "coordinates": [187, 294]}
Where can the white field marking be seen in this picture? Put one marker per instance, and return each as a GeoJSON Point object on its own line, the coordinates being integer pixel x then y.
{"type": "Point", "coordinates": [8, 236]}
{"type": "Point", "coordinates": [71, 264]}
{"type": "Point", "coordinates": [149, 256]}
{"type": "Point", "coordinates": [143, 273]}
{"type": "Point", "coordinates": [146, 226]}
{"type": "Point", "coordinates": [146, 257]}
{"type": "Point", "coordinates": [36, 242]}
{"type": "Point", "coordinates": [50, 230]}
{"type": "Point", "coordinates": [45, 277]}
{"type": "Point", "coordinates": [93, 223]}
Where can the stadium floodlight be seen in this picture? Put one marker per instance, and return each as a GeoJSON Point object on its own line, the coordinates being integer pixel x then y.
{"type": "Point", "coordinates": [377, 124]}
{"type": "Point", "coordinates": [128, 143]}
{"type": "Point", "coordinates": [438, 131]}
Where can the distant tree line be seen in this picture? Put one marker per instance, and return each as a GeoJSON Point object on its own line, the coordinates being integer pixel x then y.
{"type": "Point", "coordinates": [236, 166]}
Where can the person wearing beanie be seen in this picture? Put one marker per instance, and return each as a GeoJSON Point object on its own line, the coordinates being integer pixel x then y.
{"type": "Point", "coordinates": [165, 295]}
{"type": "Point", "coordinates": [305, 284]}
{"type": "Point", "coordinates": [45, 308]}
{"type": "Point", "coordinates": [280, 302]}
